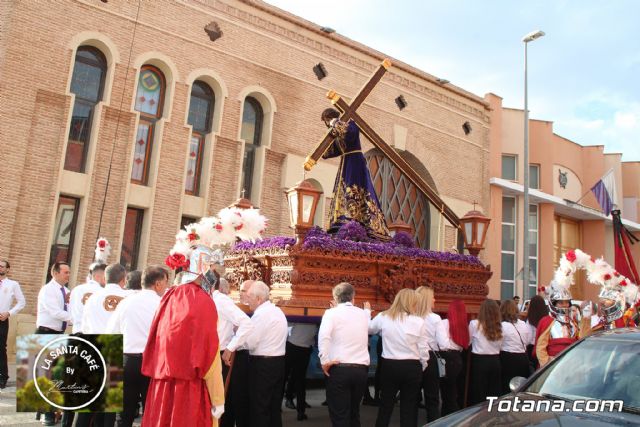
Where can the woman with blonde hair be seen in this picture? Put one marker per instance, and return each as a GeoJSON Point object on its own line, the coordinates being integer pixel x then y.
{"type": "Point", "coordinates": [486, 340]}
{"type": "Point", "coordinates": [404, 357]}
{"type": "Point", "coordinates": [514, 361]}
{"type": "Point", "coordinates": [431, 375]}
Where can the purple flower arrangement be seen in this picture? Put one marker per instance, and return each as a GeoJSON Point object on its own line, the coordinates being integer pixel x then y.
{"type": "Point", "coordinates": [402, 238]}
{"type": "Point", "coordinates": [276, 242]}
{"type": "Point", "coordinates": [384, 248]}
{"type": "Point", "coordinates": [353, 231]}
{"type": "Point", "coordinates": [352, 240]}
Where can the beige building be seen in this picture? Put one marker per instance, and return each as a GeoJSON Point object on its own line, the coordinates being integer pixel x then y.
{"type": "Point", "coordinates": [563, 215]}
{"type": "Point", "coordinates": [125, 119]}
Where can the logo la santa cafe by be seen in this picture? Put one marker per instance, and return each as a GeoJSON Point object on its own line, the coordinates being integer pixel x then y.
{"type": "Point", "coordinates": [84, 373]}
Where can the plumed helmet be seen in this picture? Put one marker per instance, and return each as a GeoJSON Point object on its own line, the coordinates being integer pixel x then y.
{"type": "Point", "coordinates": [557, 293]}
{"type": "Point", "coordinates": [611, 305]}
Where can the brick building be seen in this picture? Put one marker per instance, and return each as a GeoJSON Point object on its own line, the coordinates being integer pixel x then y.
{"type": "Point", "coordinates": [164, 113]}
{"type": "Point", "coordinates": [563, 213]}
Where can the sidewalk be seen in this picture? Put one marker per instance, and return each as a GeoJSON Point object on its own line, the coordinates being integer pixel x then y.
{"type": "Point", "coordinates": [318, 414]}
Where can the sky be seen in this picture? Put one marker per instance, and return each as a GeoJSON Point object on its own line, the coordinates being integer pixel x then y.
{"type": "Point", "coordinates": [583, 75]}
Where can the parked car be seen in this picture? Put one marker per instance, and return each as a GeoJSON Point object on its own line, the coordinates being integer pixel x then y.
{"type": "Point", "coordinates": [602, 366]}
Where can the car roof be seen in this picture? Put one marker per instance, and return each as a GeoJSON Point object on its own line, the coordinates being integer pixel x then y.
{"type": "Point", "coordinates": [617, 334]}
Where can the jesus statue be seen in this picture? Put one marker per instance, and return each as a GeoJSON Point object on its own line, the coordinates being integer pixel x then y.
{"type": "Point", "coordinates": [354, 197]}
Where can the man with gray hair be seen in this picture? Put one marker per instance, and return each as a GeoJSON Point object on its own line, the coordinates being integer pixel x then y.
{"type": "Point", "coordinates": [342, 348]}
{"type": "Point", "coordinates": [100, 306]}
{"type": "Point", "coordinates": [266, 344]}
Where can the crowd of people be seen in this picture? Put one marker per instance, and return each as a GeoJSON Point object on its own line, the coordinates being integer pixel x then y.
{"type": "Point", "coordinates": [425, 361]}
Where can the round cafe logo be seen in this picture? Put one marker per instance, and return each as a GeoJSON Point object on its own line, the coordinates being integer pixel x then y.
{"type": "Point", "coordinates": [80, 372]}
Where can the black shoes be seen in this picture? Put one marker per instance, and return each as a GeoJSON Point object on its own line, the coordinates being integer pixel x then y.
{"type": "Point", "coordinates": [302, 417]}
{"type": "Point", "coordinates": [289, 404]}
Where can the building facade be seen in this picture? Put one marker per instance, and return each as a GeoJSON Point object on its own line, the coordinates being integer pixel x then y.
{"type": "Point", "coordinates": [563, 212]}
{"type": "Point", "coordinates": [127, 120]}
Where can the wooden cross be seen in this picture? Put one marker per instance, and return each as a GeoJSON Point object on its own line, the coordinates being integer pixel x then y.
{"type": "Point", "coordinates": [348, 112]}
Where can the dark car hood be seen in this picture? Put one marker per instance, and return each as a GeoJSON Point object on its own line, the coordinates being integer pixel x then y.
{"type": "Point", "coordinates": [479, 415]}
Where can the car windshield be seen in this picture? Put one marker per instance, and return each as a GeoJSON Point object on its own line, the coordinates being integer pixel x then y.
{"type": "Point", "coordinates": [595, 369]}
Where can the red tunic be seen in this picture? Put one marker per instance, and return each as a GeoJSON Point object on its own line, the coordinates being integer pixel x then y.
{"type": "Point", "coordinates": [555, 345]}
{"type": "Point", "coordinates": [182, 344]}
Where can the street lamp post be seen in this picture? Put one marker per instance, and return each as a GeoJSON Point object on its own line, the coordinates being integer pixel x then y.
{"type": "Point", "coordinates": [525, 240]}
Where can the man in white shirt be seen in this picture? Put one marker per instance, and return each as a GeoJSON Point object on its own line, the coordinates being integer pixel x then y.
{"type": "Point", "coordinates": [101, 305]}
{"type": "Point", "coordinates": [53, 314]}
{"type": "Point", "coordinates": [266, 344]}
{"type": "Point", "coordinates": [132, 319]}
{"type": "Point", "coordinates": [81, 293]}
{"type": "Point", "coordinates": [342, 348]}
{"type": "Point", "coordinates": [9, 291]}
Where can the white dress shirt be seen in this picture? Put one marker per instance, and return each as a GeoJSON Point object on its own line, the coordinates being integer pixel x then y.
{"type": "Point", "coordinates": [51, 312]}
{"type": "Point", "coordinates": [344, 336]}
{"type": "Point", "coordinates": [10, 289]}
{"type": "Point", "coordinates": [95, 317]}
{"type": "Point", "coordinates": [132, 318]}
{"type": "Point", "coordinates": [269, 335]}
{"type": "Point", "coordinates": [479, 342]}
{"type": "Point", "coordinates": [75, 302]}
{"type": "Point", "coordinates": [511, 341]}
{"type": "Point", "coordinates": [443, 335]}
{"type": "Point", "coordinates": [230, 318]}
{"type": "Point", "coordinates": [302, 334]}
{"type": "Point", "coordinates": [403, 338]}
{"type": "Point", "coordinates": [431, 320]}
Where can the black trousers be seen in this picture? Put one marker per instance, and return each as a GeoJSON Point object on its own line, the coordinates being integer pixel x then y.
{"type": "Point", "coordinates": [43, 330]}
{"type": "Point", "coordinates": [96, 419]}
{"type": "Point", "coordinates": [296, 363]}
{"type": "Point", "coordinates": [345, 388]}
{"type": "Point", "coordinates": [513, 365]}
{"type": "Point", "coordinates": [485, 377]}
{"type": "Point", "coordinates": [4, 333]}
{"type": "Point", "coordinates": [404, 376]}
{"type": "Point", "coordinates": [266, 377]}
{"type": "Point", "coordinates": [449, 384]}
{"type": "Point", "coordinates": [431, 388]}
{"type": "Point", "coordinates": [236, 404]}
{"type": "Point", "coordinates": [135, 389]}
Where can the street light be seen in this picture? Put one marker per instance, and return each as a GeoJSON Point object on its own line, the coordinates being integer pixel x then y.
{"type": "Point", "coordinates": [525, 241]}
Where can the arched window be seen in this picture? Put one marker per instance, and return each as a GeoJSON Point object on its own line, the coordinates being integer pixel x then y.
{"type": "Point", "coordinates": [149, 102]}
{"type": "Point", "coordinates": [200, 113]}
{"type": "Point", "coordinates": [252, 118]}
{"type": "Point", "coordinates": [87, 83]}
{"type": "Point", "coordinates": [399, 198]}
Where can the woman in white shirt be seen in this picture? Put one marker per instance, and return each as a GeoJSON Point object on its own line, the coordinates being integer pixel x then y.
{"type": "Point", "coordinates": [514, 361]}
{"type": "Point", "coordinates": [452, 335]}
{"type": "Point", "coordinates": [431, 375]}
{"type": "Point", "coordinates": [404, 356]}
{"type": "Point", "coordinates": [486, 340]}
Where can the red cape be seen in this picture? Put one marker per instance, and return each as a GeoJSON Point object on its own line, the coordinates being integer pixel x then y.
{"type": "Point", "coordinates": [182, 345]}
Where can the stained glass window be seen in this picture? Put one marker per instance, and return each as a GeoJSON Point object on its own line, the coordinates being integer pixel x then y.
{"type": "Point", "coordinates": [149, 102]}
{"type": "Point", "coordinates": [200, 112]}
{"type": "Point", "coordinates": [251, 132]}
{"type": "Point", "coordinates": [399, 198]}
{"type": "Point", "coordinates": [87, 84]}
